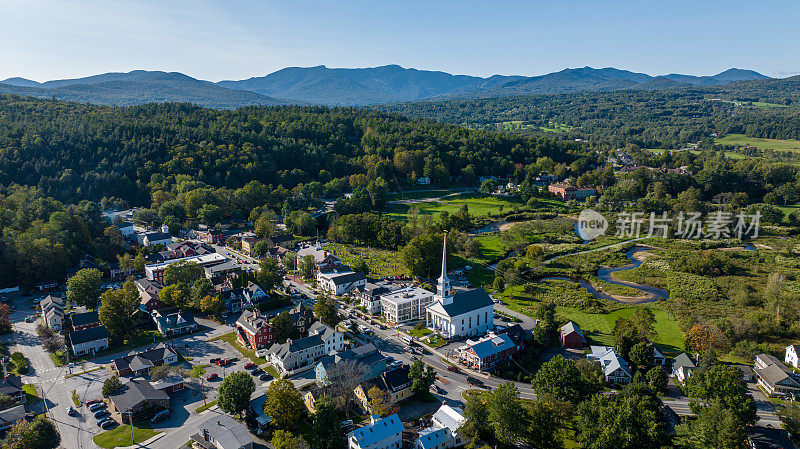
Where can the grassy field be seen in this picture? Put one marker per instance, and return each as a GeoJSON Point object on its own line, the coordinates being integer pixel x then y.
{"type": "Point", "coordinates": [491, 247]}
{"type": "Point", "coordinates": [381, 262]}
{"type": "Point", "coordinates": [121, 436]}
{"type": "Point", "coordinates": [478, 205]}
{"type": "Point", "coordinates": [599, 326]}
{"type": "Point", "coordinates": [421, 193]}
{"type": "Point", "coordinates": [761, 144]}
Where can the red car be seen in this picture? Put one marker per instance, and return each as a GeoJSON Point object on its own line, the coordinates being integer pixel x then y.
{"type": "Point", "coordinates": [249, 365]}
{"type": "Point", "coordinates": [452, 368]}
{"type": "Point", "coordinates": [212, 376]}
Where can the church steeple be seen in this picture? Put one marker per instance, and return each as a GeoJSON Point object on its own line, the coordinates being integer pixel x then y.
{"type": "Point", "coordinates": [443, 289]}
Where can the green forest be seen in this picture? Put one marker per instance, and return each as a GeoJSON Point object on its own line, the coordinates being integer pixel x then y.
{"type": "Point", "coordinates": [668, 118]}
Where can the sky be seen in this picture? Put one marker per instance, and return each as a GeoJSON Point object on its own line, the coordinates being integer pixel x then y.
{"type": "Point", "coordinates": [217, 40]}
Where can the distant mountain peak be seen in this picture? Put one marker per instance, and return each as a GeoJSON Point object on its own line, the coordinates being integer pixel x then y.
{"type": "Point", "coordinates": [363, 86]}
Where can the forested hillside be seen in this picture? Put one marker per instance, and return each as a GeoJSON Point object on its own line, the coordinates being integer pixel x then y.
{"type": "Point", "coordinates": [665, 118]}
{"type": "Point", "coordinates": [76, 151]}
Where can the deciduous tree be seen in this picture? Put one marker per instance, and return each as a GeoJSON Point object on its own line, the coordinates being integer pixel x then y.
{"type": "Point", "coordinates": [327, 427]}
{"type": "Point", "coordinates": [83, 288]}
{"type": "Point", "coordinates": [235, 392]}
{"type": "Point", "coordinates": [283, 404]}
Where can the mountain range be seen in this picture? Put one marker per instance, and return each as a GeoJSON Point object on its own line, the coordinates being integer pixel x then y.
{"type": "Point", "coordinates": [346, 87]}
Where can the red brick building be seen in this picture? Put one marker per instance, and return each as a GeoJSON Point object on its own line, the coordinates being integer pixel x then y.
{"type": "Point", "coordinates": [565, 191]}
{"type": "Point", "coordinates": [253, 330]}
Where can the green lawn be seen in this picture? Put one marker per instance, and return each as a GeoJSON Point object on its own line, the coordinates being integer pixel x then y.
{"type": "Point", "coordinates": [419, 333]}
{"type": "Point", "coordinates": [761, 144]}
{"type": "Point", "coordinates": [121, 436]}
{"type": "Point", "coordinates": [491, 247]}
{"type": "Point", "coordinates": [203, 408]}
{"type": "Point", "coordinates": [478, 204]}
{"type": "Point", "coordinates": [30, 391]}
{"type": "Point", "coordinates": [230, 338]}
{"type": "Point", "coordinates": [599, 326]}
{"type": "Point", "coordinates": [421, 193]}
{"type": "Point", "coordinates": [58, 358]}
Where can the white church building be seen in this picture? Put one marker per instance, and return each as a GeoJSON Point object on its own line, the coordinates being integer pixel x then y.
{"type": "Point", "coordinates": [458, 313]}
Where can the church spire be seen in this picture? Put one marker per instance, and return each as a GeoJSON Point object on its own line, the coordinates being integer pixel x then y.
{"type": "Point", "coordinates": [443, 289]}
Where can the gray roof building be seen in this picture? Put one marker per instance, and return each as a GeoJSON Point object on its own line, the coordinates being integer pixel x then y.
{"type": "Point", "coordinates": [223, 432]}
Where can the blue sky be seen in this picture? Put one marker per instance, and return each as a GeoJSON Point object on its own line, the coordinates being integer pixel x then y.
{"type": "Point", "coordinates": [217, 40]}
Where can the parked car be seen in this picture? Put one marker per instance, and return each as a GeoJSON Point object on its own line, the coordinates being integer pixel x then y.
{"type": "Point", "coordinates": [108, 424]}
{"type": "Point", "coordinates": [71, 411]}
{"type": "Point", "coordinates": [103, 421]}
{"type": "Point", "coordinates": [93, 401]}
{"type": "Point", "coordinates": [264, 376]}
{"type": "Point", "coordinates": [257, 371]}
{"type": "Point", "coordinates": [223, 362]}
{"type": "Point", "coordinates": [453, 369]}
{"type": "Point", "coordinates": [249, 365]}
{"type": "Point", "coordinates": [160, 416]}
{"type": "Point", "coordinates": [214, 360]}
{"type": "Point", "coordinates": [97, 406]}
{"type": "Point", "coordinates": [396, 363]}
{"type": "Point", "coordinates": [347, 423]}
{"type": "Point", "coordinates": [30, 319]}
{"type": "Point", "coordinates": [101, 413]}
{"type": "Point", "coordinates": [212, 376]}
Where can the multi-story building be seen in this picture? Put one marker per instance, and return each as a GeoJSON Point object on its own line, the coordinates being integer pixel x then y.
{"type": "Point", "coordinates": [369, 295]}
{"type": "Point", "coordinates": [253, 330]}
{"type": "Point", "coordinates": [565, 191]}
{"type": "Point", "coordinates": [155, 272]}
{"type": "Point", "coordinates": [406, 304]}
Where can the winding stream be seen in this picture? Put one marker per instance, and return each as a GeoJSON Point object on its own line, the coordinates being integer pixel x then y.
{"type": "Point", "coordinates": [649, 293]}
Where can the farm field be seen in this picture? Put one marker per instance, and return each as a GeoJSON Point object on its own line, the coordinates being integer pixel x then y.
{"type": "Point", "coordinates": [478, 205]}
{"type": "Point", "coordinates": [761, 144]}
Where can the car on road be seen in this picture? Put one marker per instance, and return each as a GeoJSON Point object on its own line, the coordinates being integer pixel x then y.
{"type": "Point", "coordinates": [96, 407]}
{"type": "Point", "coordinates": [474, 382]}
{"type": "Point", "coordinates": [108, 424]}
{"type": "Point", "coordinates": [212, 376]}
{"type": "Point", "coordinates": [71, 411]}
{"type": "Point", "coordinates": [264, 376]}
{"type": "Point", "coordinates": [101, 413]}
{"type": "Point", "coordinates": [249, 365]}
{"type": "Point", "coordinates": [453, 369]}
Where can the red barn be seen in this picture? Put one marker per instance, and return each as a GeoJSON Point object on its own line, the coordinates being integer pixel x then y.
{"type": "Point", "coordinates": [253, 330]}
{"type": "Point", "coordinates": [571, 336]}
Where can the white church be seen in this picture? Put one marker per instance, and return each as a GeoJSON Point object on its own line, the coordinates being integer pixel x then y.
{"type": "Point", "coordinates": [458, 313]}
